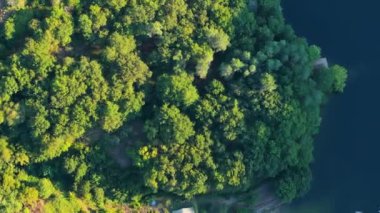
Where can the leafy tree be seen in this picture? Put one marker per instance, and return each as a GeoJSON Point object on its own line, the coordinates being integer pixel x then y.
{"type": "Point", "coordinates": [112, 118]}
{"type": "Point", "coordinates": [340, 78]}
{"type": "Point", "coordinates": [9, 29]}
{"type": "Point", "coordinates": [46, 188]}
{"type": "Point", "coordinates": [170, 126]}
{"type": "Point", "coordinates": [61, 204]}
{"type": "Point", "coordinates": [117, 4]}
{"type": "Point", "coordinates": [92, 24]}
{"type": "Point", "coordinates": [85, 24]}
{"type": "Point", "coordinates": [218, 39]}
{"type": "Point", "coordinates": [233, 122]}
{"type": "Point", "coordinates": [268, 83]}
{"type": "Point", "coordinates": [59, 23]}
{"type": "Point", "coordinates": [177, 89]}
{"type": "Point", "coordinates": [29, 195]}
{"type": "Point", "coordinates": [293, 183]}
{"type": "Point", "coordinates": [99, 196]}
{"type": "Point", "coordinates": [203, 57]}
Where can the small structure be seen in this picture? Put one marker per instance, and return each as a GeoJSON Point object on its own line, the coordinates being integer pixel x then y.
{"type": "Point", "coordinates": [321, 63]}
{"type": "Point", "coordinates": [184, 210]}
{"type": "Point", "coordinates": [154, 203]}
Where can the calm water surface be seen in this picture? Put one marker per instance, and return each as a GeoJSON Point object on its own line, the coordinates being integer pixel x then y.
{"type": "Point", "coordinates": [347, 150]}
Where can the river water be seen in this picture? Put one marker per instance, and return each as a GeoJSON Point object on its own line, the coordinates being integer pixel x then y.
{"type": "Point", "coordinates": [346, 170]}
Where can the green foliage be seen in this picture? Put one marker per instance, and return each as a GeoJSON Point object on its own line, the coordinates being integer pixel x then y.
{"type": "Point", "coordinates": [268, 83]}
{"type": "Point", "coordinates": [73, 3]}
{"type": "Point", "coordinates": [332, 79]}
{"type": "Point", "coordinates": [9, 29]}
{"type": "Point", "coordinates": [92, 24]}
{"type": "Point", "coordinates": [17, 25]}
{"type": "Point", "coordinates": [203, 57]}
{"type": "Point", "coordinates": [6, 153]}
{"type": "Point", "coordinates": [61, 204]}
{"type": "Point", "coordinates": [218, 39]}
{"type": "Point", "coordinates": [60, 25]}
{"type": "Point", "coordinates": [117, 4]}
{"type": "Point", "coordinates": [85, 25]}
{"type": "Point", "coordinates": [99, 196]}
{"type": "Point", "coordinates": [340, 78]}
{"type": "Point", "coordinates": [293, 183]}
{"type": "Point", "coordinates": [244, 64]}
{"type": "Point", "coordinates": [112, 118]}
{"type": "Point", "coordinates": [233, 122]}
{"type": "Point", "coordinates": [11, 114]}
{"type": "Point", "coordinates": [170, 126]}
{"type": "Point", "coordinates": [106, 103]}
{"type": "Point", "coordinates": [177, 89]}
{"type": "Point", "coordinates": [80, 172]}
{"type": "Point", "coordinates": [29, 195]}
{"type": "Point", "coordinates": [45, 188]}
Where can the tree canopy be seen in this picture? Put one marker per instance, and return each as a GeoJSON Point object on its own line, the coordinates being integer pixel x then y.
{"type": "Point", "coordinates": [106, 105]}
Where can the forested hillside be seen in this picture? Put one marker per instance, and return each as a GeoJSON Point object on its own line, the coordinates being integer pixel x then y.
{"type": "Point", "coordinates": [109, 104]}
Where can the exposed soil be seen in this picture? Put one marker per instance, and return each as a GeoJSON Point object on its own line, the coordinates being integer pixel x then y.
{"type": "Point", "coordinates": [265, 200]}
{"type": "Point", "coordinates": [118, 152]}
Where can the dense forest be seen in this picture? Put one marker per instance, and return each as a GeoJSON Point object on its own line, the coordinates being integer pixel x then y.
{"type": "Point", "coordinates": [106, 105]}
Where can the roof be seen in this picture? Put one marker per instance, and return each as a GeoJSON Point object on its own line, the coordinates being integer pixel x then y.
{"type": "Point", "coordinates": [321, 63]}
{"type": "Point", "coordinates": [184, 210]}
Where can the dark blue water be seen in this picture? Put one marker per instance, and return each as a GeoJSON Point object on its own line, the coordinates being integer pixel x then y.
{"type": "Point", "coordinates": [347, 151]}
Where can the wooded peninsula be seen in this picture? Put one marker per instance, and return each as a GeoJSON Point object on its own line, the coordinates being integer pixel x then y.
{"type": "Point", "coordinates": [112, 105]}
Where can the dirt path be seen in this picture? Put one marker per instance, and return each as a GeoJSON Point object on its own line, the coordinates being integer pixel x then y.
{"type": "Point", "coordinates": [118, 152]}
{"type": "Point", "coordinates": [265, 200]}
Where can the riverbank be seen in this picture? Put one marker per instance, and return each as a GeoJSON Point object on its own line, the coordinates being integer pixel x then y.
{"type": "Point", "coordinates": [345, 171]}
